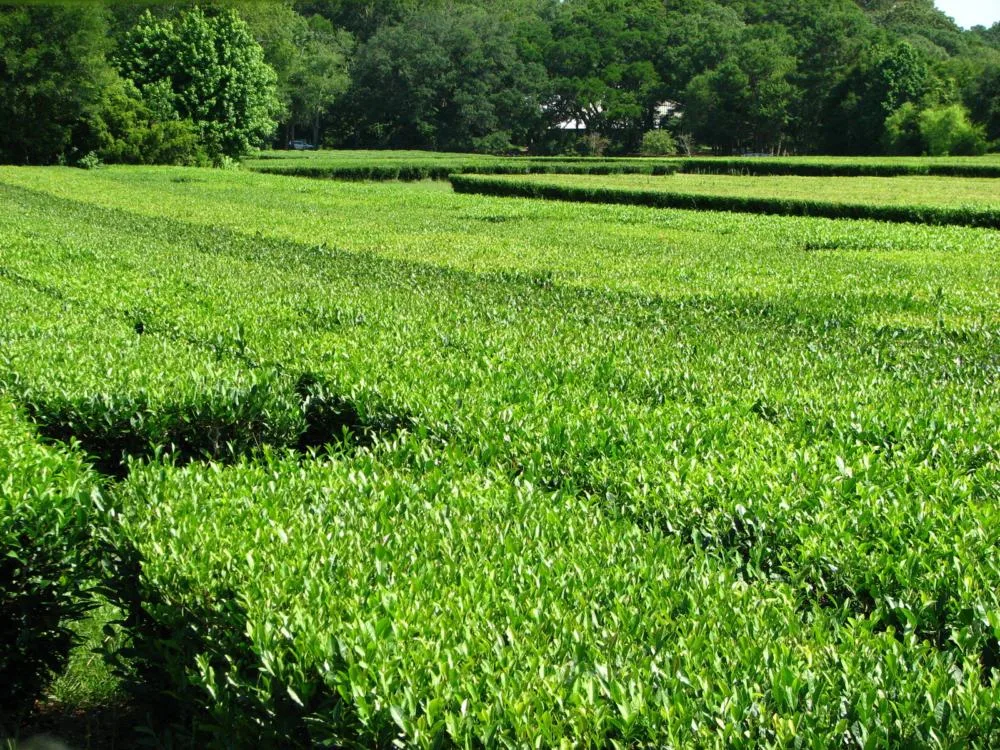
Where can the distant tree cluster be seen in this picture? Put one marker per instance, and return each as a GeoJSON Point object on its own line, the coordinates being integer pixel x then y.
{"type": "Point", "coordinates": [193, 83]}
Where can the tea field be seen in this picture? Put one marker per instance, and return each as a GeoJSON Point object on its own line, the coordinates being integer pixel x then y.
{"type": "Point", "coordinates": [917, 199]}
{"type": "Point", "coordinates": [412, 165]}
{"type": "Point", "coordinates": [374, 464]}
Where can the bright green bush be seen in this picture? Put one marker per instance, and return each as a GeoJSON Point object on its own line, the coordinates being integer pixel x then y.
{"type": "Point", "coordinates": [658, 143]}
{"type": "Point", "coordinates": [125, 129]}
{"type": "Point", "coordinates": [948, 131]}
{"type": "Point", "coordinates": [937, 131]}
{"type": "Point", "coordinates": [902, 131]}
{"type": "Point", "coordinates": [48, 503]}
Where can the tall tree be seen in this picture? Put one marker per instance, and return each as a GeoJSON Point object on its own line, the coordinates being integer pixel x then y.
{"type": "Point", "coordinates": [745, 103]}
{"type": "Point", "coordinates": [320, 76]}
{"type": "Point", "coordinates": [448, 77]}
{"type": "Point", "coordinates": [52, 73]}
{"type": "Point", "coordinates": [602, 61]}
{"type": "Point", "coordinates": [363, 18]}
{"type": "Point", "coordinates": [986, 102]}
{"type": "Point", "coordinates": [210, 70]}
{"type": "Point", "coordinates": [826, 37]}
{"type": "Point", "coordinates": [891, 76]}
{"type": "Point", "coordinates": [697, 36]}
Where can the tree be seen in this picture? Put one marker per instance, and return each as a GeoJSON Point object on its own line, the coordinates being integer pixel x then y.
{"type": "Point", "coordinates": [986, 102]}
{"type": "Point", "coordinates": [321, 75]}
{"type": "Point", "coordinates": [878, 86]}
{"type": "Point", "coordinates": [696, 37]}
{"type": "Point", "coordinates": [990, 36]}
{"type": "Point", "coordinates": [826, 38]}
{"type": "Point", "coordinates": [363, 18]}
{"type": "Point", "coordinates": [52, 73]}
{"type": "Point", "coordinates": [745, 102]}
{"type": "Point", "coordinates": [601, 62]}
{"type": "Point", "coordinates": [279, 31]}
{"type": "Point", "coordinates": [948, 132]}
{"type": "Point", "coordinates": [211, 71]}
{"type": "Point", "coordinates": [444, 78]}
{"type": "Point", "coordinates": [310, 58]}
{"type": "Point", "coordinates": [922, 25]}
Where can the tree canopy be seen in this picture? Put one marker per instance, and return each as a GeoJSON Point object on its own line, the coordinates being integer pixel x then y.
{"type": "Point", "coordinates": [52, 74]}
{"type": "Point", "coordinates": [187, 80]}
{"type": "Point", "coordinates": [207, 69]}
{"type": "Point", "coordinates": [445, 78]}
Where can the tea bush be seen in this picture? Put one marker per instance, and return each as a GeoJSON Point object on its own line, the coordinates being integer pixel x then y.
{"type": "Point", "coordinates": [49, 503]}
{"type": "Point", "coordinates": [596, 474]}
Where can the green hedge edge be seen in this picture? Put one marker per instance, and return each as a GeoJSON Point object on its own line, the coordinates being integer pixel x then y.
{"type": "Point", "coordinates": [970, 217]}
{"type": "Point", "coordinates": [766, 168]}
{"type": "Point", "coordinates": [416, 172]}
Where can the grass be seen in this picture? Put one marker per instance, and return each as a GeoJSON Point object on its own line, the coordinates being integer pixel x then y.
{"type": "Point", "coordinates": [88, 681]}
{"type": "Point", "coordinates": [86, 706]}
{"type": "Point", "coordinates": [576, 453]}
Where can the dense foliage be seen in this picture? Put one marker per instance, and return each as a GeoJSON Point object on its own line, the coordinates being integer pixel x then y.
{"type": "Point", "coordinates": [447, 78]}
{"type": "Point", "coordinates": [518, 473]}
{"type": "Point", "coordinates": [551, 76]}
{"type": "Point", "coordinates": [49, 502]}
{"type": "Point", "coordinates": [205, 69]}
{"type": "Point", "coordinates": [52, 70]}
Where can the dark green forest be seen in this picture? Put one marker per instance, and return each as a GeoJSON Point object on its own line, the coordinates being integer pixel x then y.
{"type": "Point", "coordinates": [209, 82]}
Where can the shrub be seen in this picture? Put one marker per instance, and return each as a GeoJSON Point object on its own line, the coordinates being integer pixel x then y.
{"type": "Point", "coordinates": [90, 161]}
{"type": "Point", "coordinates": [658, 143]}
{"type": "Point", "coordinates": [902, 131]}
{"type": "Point", "coordinates": [947, 131]}
{"type": "Point", "coordinates": [225, 162]}
{"type": "Point", "coordinates": [129, 128]}
{"type": "Point", "coordinates": [494, 143]}
{"type": "Point", "coordinates": [47, 500]}
{"type": "Point", "coordinates": [592, 144]}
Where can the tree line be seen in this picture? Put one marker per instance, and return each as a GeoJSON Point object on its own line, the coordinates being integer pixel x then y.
{"type": "Point", "coordinates": [194, 83]}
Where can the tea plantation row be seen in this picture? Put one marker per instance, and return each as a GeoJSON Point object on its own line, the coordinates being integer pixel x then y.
{"type": "Point", "coordinates": [919, 200]}
{"type": "Point", "coordinates": [637, 512]}
{"type": "Point", "coordinates": [417, 165]}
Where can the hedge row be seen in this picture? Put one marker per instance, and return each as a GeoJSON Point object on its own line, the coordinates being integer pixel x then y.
{"type": "Point", "coordinates": [433, 171]}
{"type": "Point", "coordinates": [934, 215]}
{"type": "Point", "coordinates": [761, 167]}
{"type": "Point", "coordinates": [415, 168]}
